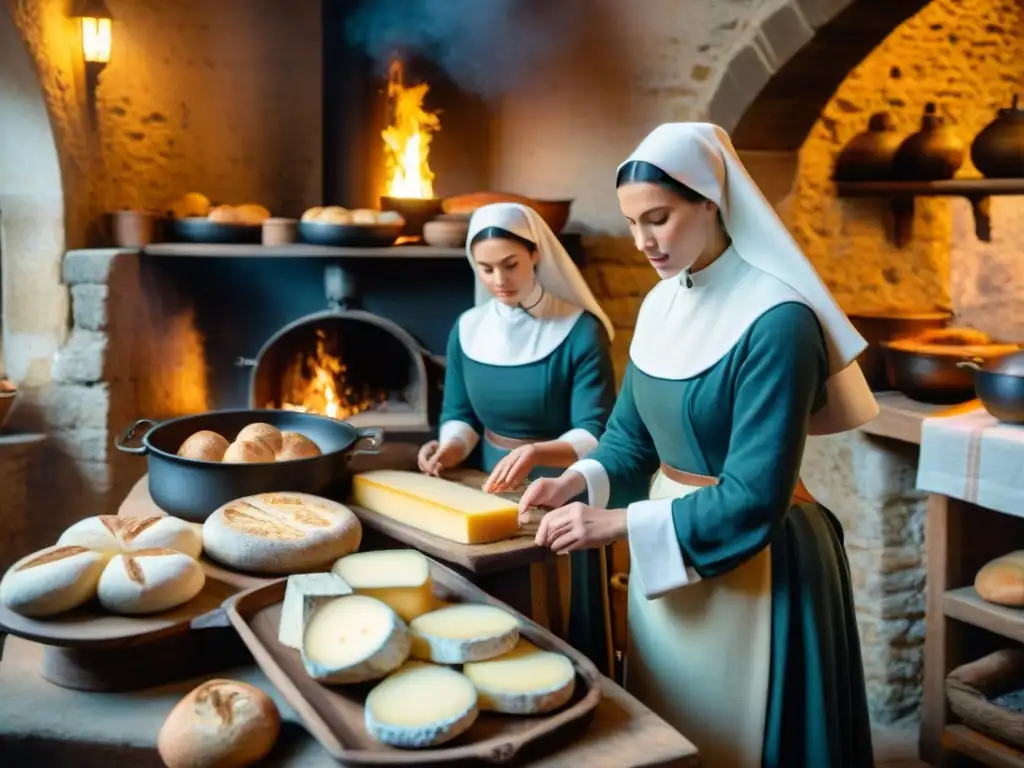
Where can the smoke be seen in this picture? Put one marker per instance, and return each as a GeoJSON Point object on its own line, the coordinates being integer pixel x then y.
{"type": "Point", "coordinates": [484, 46]}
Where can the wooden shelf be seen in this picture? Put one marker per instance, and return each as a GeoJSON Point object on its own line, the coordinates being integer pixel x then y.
{"type": "Point", "coordinates": [901, 195]}
{"type": "Point", "coordinates": [299, 250]}
{"type": "Point", "coordinates": [976, 746]}
{"type": "Point", "coordinates": [965, 605]}
{"type": "Point", "coordinates": [900, 418]}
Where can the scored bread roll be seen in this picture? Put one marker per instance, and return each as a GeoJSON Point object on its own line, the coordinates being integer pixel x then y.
{"type": "Point", "coordinates": [248, 452]}
{"type": "Point", "coordinates": [149, 581]}
{"type": "Point", "coordinates": [296, 446]}
{"type": "Point", "coordinates": [100, 533]}
{"type": "Point", "coordinates": [1001, 581]}
{"type": "Point", "coordinates": [313, 213]}
{"type": "Point", "coordinates": [204, 446]}
{"type": "Point", "coordinates": [112, 535]}
{"type": "Point", "coordinates": [51, 581]}
{"type": "Point", "coordinates": [267, 433]}
{"type": "Point", "coordinates": [223, 214]}
{"type": "Point", "coordinates": [281, 533]}
{"type": "Point", "coordinates": [219, 724]}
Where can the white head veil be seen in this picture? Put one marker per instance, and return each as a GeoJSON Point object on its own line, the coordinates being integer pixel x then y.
{"type": "Point", "coordinates": [701, 156]}
{"type": "Point", "coordinates": [499, 335]}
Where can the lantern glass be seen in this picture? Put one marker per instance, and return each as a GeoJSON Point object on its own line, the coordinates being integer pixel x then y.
{"type": "Point", "coordinates": [96, 39]}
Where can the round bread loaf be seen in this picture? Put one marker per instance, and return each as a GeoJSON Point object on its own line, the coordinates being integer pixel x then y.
{"type": "Point", "coordinates": [281, 533]}
{"type": "Point", "coordinates": [313, 213]}
{"type": "Point", "coordinates": [1001, 581]}
{"type": "Point", "coordinates": [204, 446]}
{"type": "Point", "coordinates": [251, 214]}
{"type": "Point", "coordinates": [220, 724]}
{"type": "Point", "coordinates": [113, 535]}
{"type": "Point", "coordinates": [248, 452]}
{"type": "Point", "coordinates": [100, 533]}
{"type": "Point", "coordinates": [149, 581]}
{"type": "Point", "coordinates": [296, 446]}
{"type": "Point", "coordinates": [334, 214]}
{"type": "Point", "coordinates": [52, 580]}
{"type": "Point", "coordinates": [267, 433]}
{"type": "Point", "coordinates": [223, 214]}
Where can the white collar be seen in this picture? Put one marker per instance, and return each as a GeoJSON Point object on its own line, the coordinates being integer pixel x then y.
{"type": "Point", "coordinates": [497, 334]}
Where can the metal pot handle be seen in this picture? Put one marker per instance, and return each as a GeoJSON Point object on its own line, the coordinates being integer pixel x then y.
{"type": "Point", "coordinates": [120, 442]}
{"type": "Point", "coordinates": [973, 364]}
{"type": "Point", "coordinates": [375, 437]}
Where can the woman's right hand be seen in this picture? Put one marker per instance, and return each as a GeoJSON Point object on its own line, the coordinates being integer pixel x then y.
{"type": "Point", "coordinates": [550, 493]}
{"type": "Point", "coordinates": [433, 457]}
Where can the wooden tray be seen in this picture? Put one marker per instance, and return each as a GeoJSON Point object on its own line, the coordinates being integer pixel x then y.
{"type": "Point", "coordinates": [334, 715]}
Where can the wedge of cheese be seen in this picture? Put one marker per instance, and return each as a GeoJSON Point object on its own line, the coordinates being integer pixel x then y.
{"type": "Point", "coordinates": [461, 633]}
{"type": "Point", "coordinates": [354, 639]}
{"type": "Point", "coordinates": [398, 577]}
{"type": "Point", "coordinates": [304, 594]}
{"type": "Point", "coordinates": [524, 681]}
{"type": "Point", "coordinates": [420, 705]}
{"type": "Point", "coordinates": [440, 507]}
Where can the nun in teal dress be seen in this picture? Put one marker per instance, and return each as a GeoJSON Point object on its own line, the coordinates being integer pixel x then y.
{"type": "Point", "coordinates": [741, 625]}
{"type": "Point", "coordinates": [529, 385]}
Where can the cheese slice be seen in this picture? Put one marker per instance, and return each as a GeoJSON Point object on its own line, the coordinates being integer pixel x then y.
{"type": "Point", "coordinates": [524, 681]}
{"type": "Point", "coordinates": [461, 633]}
{"type": "Point", "coordinates": [398, 577]}
{"type": "Point", "coordinates": [439, 507]}
{"type": "Point", "coordinates": [354, 639]}
{"type": "Point", "coordinates": [304, 594]}
{"type": "Point", "coordinates": [420, 705]}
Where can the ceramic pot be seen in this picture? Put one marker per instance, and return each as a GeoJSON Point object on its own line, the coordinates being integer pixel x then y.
{"type": "Point", "coordinates": [934, 153]}
{"type": "Point", "coordinates": [999, 385]}
{"type": "Point", "coordinates": [868, 156]}
{"type": "Point", "coordinates": [998, 151]}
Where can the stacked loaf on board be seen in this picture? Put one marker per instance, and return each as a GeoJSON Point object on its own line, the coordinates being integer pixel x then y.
{"type": "Point", "coordinates": [436, 666]}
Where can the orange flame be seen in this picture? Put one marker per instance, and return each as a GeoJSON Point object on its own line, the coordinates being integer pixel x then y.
{"type": "Point", "coordinates": [407, 139]}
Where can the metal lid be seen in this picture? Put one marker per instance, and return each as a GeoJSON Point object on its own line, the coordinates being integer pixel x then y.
{"type": "Point", "coordinates": [1012, 364]}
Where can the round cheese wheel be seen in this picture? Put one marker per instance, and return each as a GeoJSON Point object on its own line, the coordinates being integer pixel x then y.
{"type": "Point", "coordinates": [420, 705]}
{"type": "Point", "coordinates": [249, 452]}
{"type": "Point", "coordinates": [461, 633]}
{"type": "Point", "coordinates": [268, 433]}
{"type": "Point", "coordinates": [52, 580]}
{"type": "Point", "coordinates": [281, 533]}
{"type": "Point", "coordinates": [149, 581]}
{"type": "Point", "coordinates": [296, 446]}
{"type": "Point", "coordinates": [113, 535]}
{"type": "Point", "coordinates": [524, 681]}
{"type": "Point", "coordinates": [204, 446]}
{"type": "Point", "coordinates": [220, 723]}
{"type": "Point", "coordinates": [354, 639]}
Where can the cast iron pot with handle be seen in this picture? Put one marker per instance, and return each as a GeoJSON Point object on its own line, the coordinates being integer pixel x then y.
{"type": "Point", "coordinates": [999, 385]}
{"type": "Point", "coordinates": [192, 489]}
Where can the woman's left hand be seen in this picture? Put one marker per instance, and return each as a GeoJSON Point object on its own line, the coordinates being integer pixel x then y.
{"type": "Point", "coordinates": [580, 526]}
{"type": "Point", "coordinates": [511, 470]}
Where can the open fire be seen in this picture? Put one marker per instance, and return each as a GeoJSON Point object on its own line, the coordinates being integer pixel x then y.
{"type": "Point", "coordinates": [407, 138]}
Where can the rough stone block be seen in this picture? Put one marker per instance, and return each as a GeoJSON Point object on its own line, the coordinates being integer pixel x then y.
{"type": "Point", "coordinates": [82, 360]}
{"type": "Point", "coordinates": [89, 306]}
{"type": "Point", "coordinates": [820, 12]}
{"type": "Point", "coordinates": [91, 265]}
{"type": "Point", "coordinates": [748, 72]}
{"type": "Point", "coordinates": [76, 406]}
{"type": "Point", "coordinates": [84, 446]}
{"type": "Point", "coordinates": [784, 32]}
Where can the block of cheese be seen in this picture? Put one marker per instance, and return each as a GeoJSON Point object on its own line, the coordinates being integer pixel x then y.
{"type": "Point", "coordinates": [398, 577]}
{"type": "Point", "coordinates": [439, 507]}
{"type": "Point", "coordinates": [461, 633]}
{"type": "Point", "coordinates": [149, 581]}
{"type": "Point", "coordinates": [420, 705]}
{"type": "Point", "coordinates": [281, 533]}
{"type": "Point", "coordinates": [524, 681]}
{"type": "Point", "coordinates": [1001, 581]}
{"type": "Point", "coordinates": [112, 534]}
{"type": "Point", "coordinates": [52, 580]}
{"type": "Point", "coordinates": [354, 639]}
{"type": "Point", "coordinates": [304, 594]}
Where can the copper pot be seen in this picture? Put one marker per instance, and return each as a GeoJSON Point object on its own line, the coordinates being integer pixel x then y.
{"type": "Point", "coordinates": [868, 156]}
{"type": "Point", "coordinates": [998, 151]}
{"type": "Point", "coordinates": [934, 153]}
{"type": "Point", "coordinates": [880, 327]}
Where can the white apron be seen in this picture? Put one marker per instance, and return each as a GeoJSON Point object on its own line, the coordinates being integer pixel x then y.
{"type": "Point", "coordinates": [700, 656]}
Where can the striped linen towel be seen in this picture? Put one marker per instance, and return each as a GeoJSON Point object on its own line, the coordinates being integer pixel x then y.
{"type": "Point", "coordinates": [975, 458]}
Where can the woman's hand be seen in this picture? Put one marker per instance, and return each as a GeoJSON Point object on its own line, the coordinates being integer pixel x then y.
{"type": "Point", "coordinates": [550, 492]}
{"type": "Point", "coordinates": [511, 470]}
{"type": "Point", "coordinates": [433, 457]}
{"type": "Point", "coordinates": [580, 526]}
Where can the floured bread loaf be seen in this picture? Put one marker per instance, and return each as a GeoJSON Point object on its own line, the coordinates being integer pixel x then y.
{"type": "Point", "coordinates": [204, 446]}
{"type": "Point", "coordinates": [296, 446]}
{"type": "Point", "coordinates": [221, 723]}
{"type": "Point", "coordinates": [112, 534]}
{"type": "Point", "coordinates": [248, 452]}
{"type": "Point", "coordinates": [52, 580]}
{"type": "Point", "coordinates": [149, 581]}
{"type": "Point", "coordinates": [281, 533]}
{"type": "Point", "coordinates": [1001, 581]}
{"type": "Point", "coordinates": [268, 433]}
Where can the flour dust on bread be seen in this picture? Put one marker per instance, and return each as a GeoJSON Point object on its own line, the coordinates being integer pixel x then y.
{"type": "Point", "coordinates": [149, 581]}
{"type": "Point", "coordinates": [112, 534]}
{"type": "Point", "coordinates": [281, 533]}
{"type": "Point", "coordinates": [52, 580]}
{"type": "Point", "coordinates": [218, 724]}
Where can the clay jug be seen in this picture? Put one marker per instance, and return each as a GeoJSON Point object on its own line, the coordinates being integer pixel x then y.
{"type": "Point", "coordinates": [934, 153]}
{"type": "Point", "coordinates": [868, 155]}
{"type": "Point", "coordinates": [998, 151]}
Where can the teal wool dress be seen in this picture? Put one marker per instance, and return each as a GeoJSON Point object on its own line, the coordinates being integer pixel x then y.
{"type": "Point", "coordinates": [756, 659]}
{"type": "Point", "coordinates": [571, 388]}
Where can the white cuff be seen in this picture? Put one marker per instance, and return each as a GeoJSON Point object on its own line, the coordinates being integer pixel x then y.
{"type": "Point", "coordinates": [654, 553]}
{"type": "Point", "coordinates": [581, 441]}
{"type": "Point", "coordinates": [598, 485]}
{"type": "Point", "coordinates": [459, 432]}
